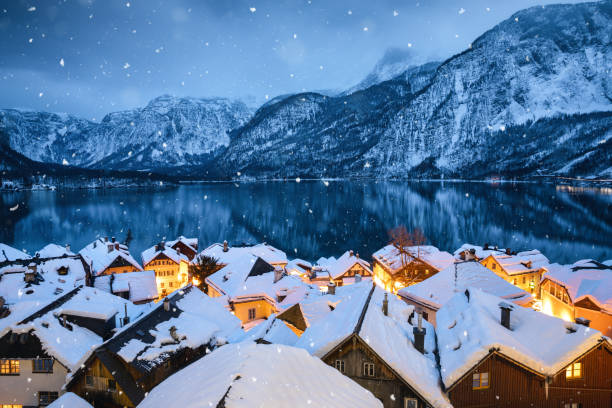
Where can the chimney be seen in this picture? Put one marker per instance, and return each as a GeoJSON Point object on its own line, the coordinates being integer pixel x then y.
{"type": "Point", "coordinates": [173, 334]}
{"type": "Point", "coordinates": [105, 239]}
{"type": "Point", "coordinates": [225, 246]}
{"type": "Point", "coordinates": [126, 318]}
{"type": "Point", "coordinates": [112, 239]}
{"type": "Point", "coordinates": [357, 255]}
{"type": "Point", "coordinates": [385, 305]}
{"type": "Point", "coordinates": [462, 255]}
{"type": "Point", "coordinates": [351, 252]}
{"type": "Point", "coordinates": [505, 314]}
{"type": "Point", "coordinates": [64, 320]}
{"type": "Point", "coordinates": [508, 251]}
{"type": "Point", "coordinates": [357, 278]}
{"type": "Point", "coordinates": [110, 247]}
{"type": "Point", "coordinates": [166, 304]}
{"type": "Point", "coordinates": [278, 274]}
{"type": "Point", "coordinates": [419, 336]}
{"type": "Point", "coordinates": [583, 321]}
{"type": "Point", "coordinates": [486, 246]}
{"type": "Point", "coordinates": [68, 247]}
{"type": "Point", "coordinates": [331, 288]}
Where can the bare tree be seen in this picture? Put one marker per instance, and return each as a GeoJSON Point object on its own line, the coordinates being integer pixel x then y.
{"type": "Point", "coordinates": [408, 245]}
{"type": "Point", "coordinates": [202, 267]}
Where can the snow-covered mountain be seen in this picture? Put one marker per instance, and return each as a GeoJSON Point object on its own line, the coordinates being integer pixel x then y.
{"type": "Point", "coordinates": [169, 132]}
{"type": "Point", "coordinates": [532, 95]}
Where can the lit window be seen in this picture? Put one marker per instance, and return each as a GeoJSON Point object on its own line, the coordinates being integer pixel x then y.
{"type": "Point", "coordinates": [411, 403]}
{"type": "Point", "coordinates": [42, 365]}
{"type": "Point", "coordinates": [46, 397]}
{"type": "Point", "coordinates": [340, 365]}
{"type": "Point", "coordinates": [368, 369]}
{"type": "Point", "coordinates": [252, 313]}
{"type": "Point", "coordinates": [514, 282]}
{"type": "Point", "coordinates": [573, 405]}
{"type": "Point", "coordinates": [9, 367]}
{"type": "Point", "coordinates": [494, 266]}
{"type": "Point", "coordinates": [480, 381]}
{"type": "Point", "coordinates": [574, 371]}
{"type": "Point", "coordinates": [11, 406]}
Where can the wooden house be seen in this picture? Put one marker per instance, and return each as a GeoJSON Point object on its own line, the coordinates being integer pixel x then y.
{"type": "Point", "coordinates": [342, 271]}
{"type": "Point", "coordinates": [40, 350]}
{"type": "Point", "coordinates": [177, 332]}
{"type": "Point", "coordinates": [369, 339]}
{"type": "Point", "coordinates": [186, 246]}
{"type": "Point", "coordinates": [107, 257]}
{"type": "Point", "coordinates": [579, 291]}
{"type": "Point", "coordinates": [171, 267]}
{"type": "Point", "coordinates": [431, 294]}
{"type": "Point", "coordinates": [493, 354]}
{"type": "Point", "coordinates": [524, 270]}
{"type": "Point", "coordinates": [394, 270]}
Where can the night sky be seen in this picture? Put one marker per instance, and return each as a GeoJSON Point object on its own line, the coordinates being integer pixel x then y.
{"type": "Point", "coordinates": [90, 57]}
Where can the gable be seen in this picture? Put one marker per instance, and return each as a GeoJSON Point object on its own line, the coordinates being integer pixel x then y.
{"type": "Point", "coordinates": [260, 267]}
{"type": "Point", "coordinates": [294, 316]}
{"type": "Point", "coordinates": [119, 262]}
{"type": "Point", "coordinates": [587, 303]}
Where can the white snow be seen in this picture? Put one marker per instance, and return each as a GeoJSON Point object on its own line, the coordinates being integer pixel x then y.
{"type": "Point", "coordinates": [151, 253]}
{"type": "Point", "coordinates": [468, 330]}
{"type": "Point", "coordinates": [8, 253]}
{"type": "Point", "coordinates": [255, 375]}
{"type": "Point", "coordinates": [140, 285]}
{"type": "Point", "coordinates": [392, 259]}
{"type": "Point", "coordinates": [100, 254]}
{"type": "Point", "coordinates": [337, 267]}
{"type": "Point", "coordinates": [54, 251]}
{"type": "Point", "coordinates": [69, 400]}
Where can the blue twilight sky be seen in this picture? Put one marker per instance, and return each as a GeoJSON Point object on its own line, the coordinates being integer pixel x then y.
{"type": "Point", "coordinates": [90, 57]}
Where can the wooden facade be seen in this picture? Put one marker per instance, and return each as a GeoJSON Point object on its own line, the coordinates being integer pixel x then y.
{"type": "Point", "coordinates": [413, 272]}
{"type": "Point", "coordinates": [511, 384]}
{"type": "Point", "coordinates": [529, 280]}
{"type": "Point", "coordinates": [355, 359]}
{"type": "Point", "coordinates": [119, 265]}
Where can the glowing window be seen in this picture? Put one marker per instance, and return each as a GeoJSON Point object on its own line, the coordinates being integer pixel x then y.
{"type": "Point", "coordinates": [9, 367]}
{"type": "Point", "coordinates": [574, 371]}
{"type": "Point", "coordinates": [480, 381]}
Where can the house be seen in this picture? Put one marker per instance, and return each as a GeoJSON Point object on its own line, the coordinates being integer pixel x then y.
{"type": "Point", "coordinates": [523, 269]}
{"type": "Point", "coordinates": [40, 350]}
{"type": "Point", "coordinates": [137, 287]}
{"type": "Point", "coordinates": [341, 271]}
{"type": "Point", "coordinates": [429, 295]}
{"type": "Point", "coordinates": [54, 251]}
{"type": "Point", "coordinates": [224, 253]}
{"type": "Point", "coordinates": [186, 246]}
{"type": "Point", "coordinates": [376, 340]}
{"type": "Point", "coordinates": [493, 353]}
{"type": "Point", "coordinates": [259, 375]}
{"type": "Point", "coordinates": [171, 267]}
{"type": "Point", "coordinates": [394, 270]}
{"type": "Point", "coordinates": [176, 332]}
{"type": "Point", "coordinates": [9, 254]}
{"type": "Point", "coordinates": [580, 291]}
{"type": "Point", "coordinates": [106, 257]}
{"type": "Point", "coordinates": [299, 267]}
{"type": "Point", "coordinates": [272, 331]}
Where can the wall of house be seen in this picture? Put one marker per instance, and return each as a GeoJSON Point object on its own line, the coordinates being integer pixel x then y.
{"type": "Point", "coordinates": [419, 271]}
{"type": "Point", "coordinates": [263, 310]}
{"type": "Point", "coordinates": [510, 385]}
{"type": "Point", "coordinates": [169, 275]}
{"type": "Point", "coordinates": [23, 388]}
{"type": "Point", "coordinates": [384, 384]}
{"type": "Point", "coordinates": [119, 269]}
{"type": "Point", "coordinates": [552, 306]}
{"type": "Point", "coordinates": [382, 277]}
{"type": "Point", "coordinates": [523, 281]}
{"type": "Point", "coordinates": [600, 319]}
{"type": "Point", "coordinates": [99, 393]}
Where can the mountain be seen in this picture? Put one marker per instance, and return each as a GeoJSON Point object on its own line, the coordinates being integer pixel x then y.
{"type": "Point", "coordinates": [169, 132]}
{"type": "Point", "coordinates": [532, 95]}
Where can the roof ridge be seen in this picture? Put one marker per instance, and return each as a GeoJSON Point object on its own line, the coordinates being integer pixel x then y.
{"type": "Point", "coordinates": [364, 310]}
{"type": "Point", "coordinates": [51, 306]}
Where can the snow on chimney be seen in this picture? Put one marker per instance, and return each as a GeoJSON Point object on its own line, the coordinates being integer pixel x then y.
{"type": "Point", "coordinates": [419, 335]}
{"type": "Point", "coordinates": [225, 246]}
{"type": "Point", "coordinates": [357, 278]}
{"type": "Point", "coordinates": [505, 309]}
{"type": "Point", "coordinates": [351, 252]}
{"type": "Point", "coordinates": [331, 288]}
{"type": "Point", "coordinates": [68, 247]}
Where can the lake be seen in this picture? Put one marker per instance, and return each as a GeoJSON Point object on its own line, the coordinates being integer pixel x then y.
{"type": "Point", "coordinates": [311, 219]}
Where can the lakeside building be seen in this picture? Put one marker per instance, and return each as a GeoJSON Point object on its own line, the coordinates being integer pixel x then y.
{"type": "Point", "coordinates": [345, 270]}
{"type": "Point", "coordinates": [171, 267]}
{"type": "Point", "coordinates": [394, 270]}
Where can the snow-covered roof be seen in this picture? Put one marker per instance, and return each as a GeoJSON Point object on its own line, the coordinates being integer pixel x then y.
{"type": "Point", "coordinates": [156, 250]}
{"type": "Point", "coordinates": [390, 257]}
{"type": "Point", "coordinates": [513, 263]}
{"type": "Point", "coordinates": [256, 375]}
{"type": "Point", "coordinates": [291, 288]}
{"type": "Point", "coordinates": [196, 318]}
{"type": "Point", "coordinates": [438, 289]}
{"type": "Point", "coordinates": [190, 242]}
{"type": "Point", "coordinates": [140, 285]}
{"type": "Point", "coordinates": [8, 253]}
{"type": "Point", "coordinates": [479, 251]}
{"type": "Point", "coordinates": [585, 279]}
{"type": "Point", "coordinates": [69, 400]}
{"type": "Point", "coordinates": [100, 254]}
{"type": "Point", "coordinates": [338, 267]}
{"type": "Point", "coordinates": [54, 251]}
{"type": "Point", "coordinates": [69, 345]}
{"type": "Point", "coordinates": [468, 329]}
{"type": "Point", "coordinates": [391, 337]}
{"type": "Point", "coordinates": [268, 253]}
{"type": "Point", "coordinates": [298, 266]}
{"type": "Point", "coordinates": [274, 331]}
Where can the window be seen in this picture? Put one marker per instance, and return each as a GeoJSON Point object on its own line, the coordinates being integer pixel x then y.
{"type": "Point", "coordinates": [514, 282]}
{"type": "Point", "coordinates": [42, 365]}
{"type": "Point", "coordinates": [368, 369]}
{"type": "Point", "coordinates": [340, 365]}
{"type": "Point", "coordinates": [573, 405]}
{"type": "Point", "coordinates": [524, 280]}
{"type": "Point", "coordinates": [89, 381]}
{"type": "Point", "coordinates": [46, 397]}
{"type": "Point", "coordinates": [494, 266]}
{"type": "Point", "coordinates": [480, 381]}
{"type": "Point", "coordinates": [11, 406]}
{"type": "Point", "coordinates": [161, 285]}
{"type": "Point", "coordinates": [573, 371]}
{"type": "Point", "coordinates": [9, 367]}
{"type": "Point", "coordinates": [112, 385]}
{"type": "Point", "coordinates": [171, 284]}
{"type": "Point", "coordinates": [411, 403]}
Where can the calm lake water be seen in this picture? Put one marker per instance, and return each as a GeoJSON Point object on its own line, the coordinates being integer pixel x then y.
{"type": "Point", "coordinates": [312, 218]}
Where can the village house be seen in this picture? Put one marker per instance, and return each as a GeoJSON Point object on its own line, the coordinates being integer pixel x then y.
{"type": "Point", "coordinates": [175, 333]}
{"type": "Point", "coordinates": [40, 350]}
{"type": "Point", "coordinates": [523, 269]}
{"type": "Point", "coordinates": [493, 353]}
{"type": "Point", "coordinates": [171, 267]}
{"type": "Point", "coordinates": [106, 257]}
{"type": "Point", "coordinates": [225, 253]}
{"type": "Point", "coordinates": [379, 342]}
{"type": "Point", "coordinates": [10, 254]}
{"type": "Point", "coordinates": [186, 246]}
{"type": "Point", "coordinates": [394, 270]}
{"type": "Point", "coordinates": [259, 375]}
{"type": "Point", "coordinates": [431, 294]}
{"type": "Point", "coordinates": [341, 271]}
{"type": "Point", "coordinates": [137, 287]}
{"type": "Point", "coordinates": [580, 291]}
{"type": "Point", "coordinates": [273, 331]}
{"type": "Point", "coordinates": [300, 268]}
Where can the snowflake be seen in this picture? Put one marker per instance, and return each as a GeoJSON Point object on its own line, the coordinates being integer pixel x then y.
{"type": "Point", "coordinates": [252, 9]}
{"type": "Point", "coordinates": [461, 10]}
{"type": "Point", "coordinates": [61, 62]}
